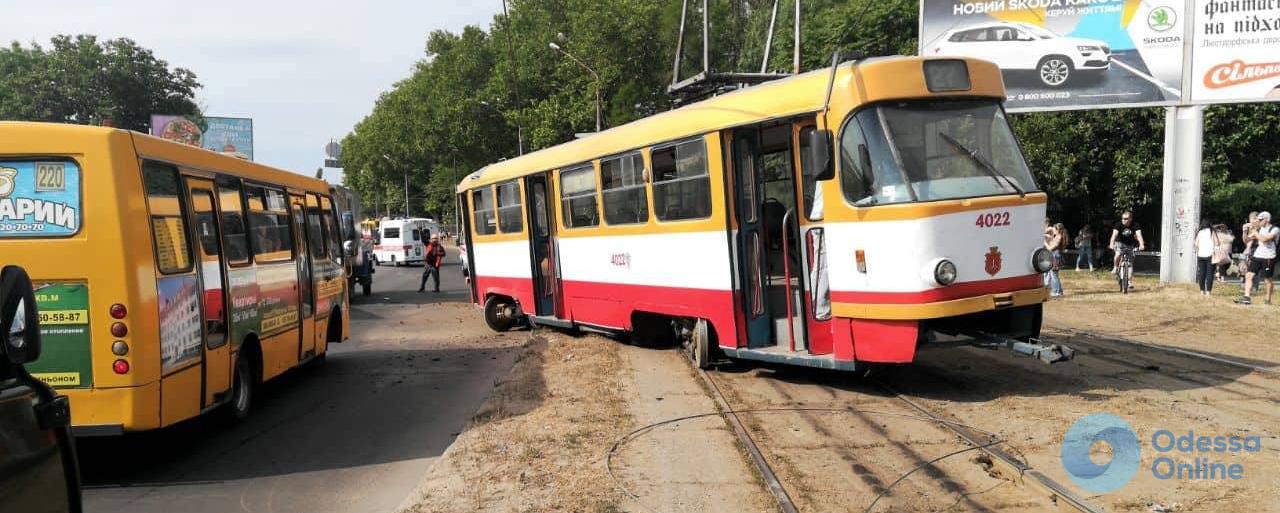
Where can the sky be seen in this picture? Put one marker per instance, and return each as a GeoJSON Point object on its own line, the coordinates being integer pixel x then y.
{"type": "Point", "coordinates": [305, 71]}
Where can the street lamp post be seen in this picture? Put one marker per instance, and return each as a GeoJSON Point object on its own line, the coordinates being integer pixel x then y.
{"type": "Point", "coordinates": [599, 121]}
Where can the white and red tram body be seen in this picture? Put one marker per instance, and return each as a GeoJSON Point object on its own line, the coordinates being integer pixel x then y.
{"type": "Point", "coordinates": [789, 227]}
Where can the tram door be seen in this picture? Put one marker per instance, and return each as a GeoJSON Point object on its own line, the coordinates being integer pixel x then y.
{"type": "Point", "coordinates": [546, 282]}
{"type": "Point", "coordinates": [748, 191]}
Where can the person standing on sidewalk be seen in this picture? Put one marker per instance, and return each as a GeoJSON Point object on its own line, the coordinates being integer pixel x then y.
{"type": "Point", "coordinates": [431, 263]}
{"type": "Point", "coordinates": [1222, 254]}
{"type": "Point", "coordinates": [1205, 244]}
{"type": "Point", "coordinates": [1262, 264]}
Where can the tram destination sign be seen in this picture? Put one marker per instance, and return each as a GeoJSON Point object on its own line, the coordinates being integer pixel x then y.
{"type": "Point", "coordinates": [1081, 54]}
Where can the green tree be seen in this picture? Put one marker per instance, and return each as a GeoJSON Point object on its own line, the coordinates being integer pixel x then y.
{"type": "Point", "coordinates": [79, 79]}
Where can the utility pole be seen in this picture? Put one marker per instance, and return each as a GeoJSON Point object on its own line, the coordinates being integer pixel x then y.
{"type": "Point", "coordinates": [796, 61]}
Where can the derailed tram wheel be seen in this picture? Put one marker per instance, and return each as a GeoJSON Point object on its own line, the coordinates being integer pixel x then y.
{"type": "Point", "coordinates": [500, 313]}
{"type": "Point", "coordinates": [699, 346]}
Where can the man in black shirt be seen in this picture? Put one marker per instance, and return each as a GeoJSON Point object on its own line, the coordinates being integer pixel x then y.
{"type": "Point", "coordinates": [1126, 234]}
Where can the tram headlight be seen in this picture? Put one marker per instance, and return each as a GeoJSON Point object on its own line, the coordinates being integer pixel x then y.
{"type": "Point", "coordinates": [1042, 260]}
{"type": "Point", "coordinates": [944, 273]}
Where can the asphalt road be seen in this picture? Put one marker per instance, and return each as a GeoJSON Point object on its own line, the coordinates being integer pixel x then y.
{"type": "Point", "coordinates": [1127, 81]}
{"type": "Point", "coordinates": [355, 434]}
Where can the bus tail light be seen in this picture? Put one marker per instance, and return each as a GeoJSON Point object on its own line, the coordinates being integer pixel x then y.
{"type": "Point", "coordinates": [861, 257]}
{"type": "Point", "coordinates": [119, 330]}
{"type": "Point", "coordinates": [118, 311]}
{"type": "Point", "coordinates": [120, 367]}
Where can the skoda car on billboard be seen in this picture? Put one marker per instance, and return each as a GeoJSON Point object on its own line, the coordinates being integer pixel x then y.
{"type": "Point", "coordinates": [1066, 54]}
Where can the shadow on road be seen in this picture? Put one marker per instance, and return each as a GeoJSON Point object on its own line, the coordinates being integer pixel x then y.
{"type": "Point", "coordinates": [361, 408]}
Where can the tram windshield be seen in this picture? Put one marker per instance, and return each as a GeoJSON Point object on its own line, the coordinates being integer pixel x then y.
{"type": "Point", "coordinates": [930, 150]}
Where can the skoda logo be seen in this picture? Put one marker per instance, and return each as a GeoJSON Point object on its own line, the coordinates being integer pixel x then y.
{"type": "Point", "coordinates": [1161, 19]}
{"type": "Point", "coordinates": [1116, 434]}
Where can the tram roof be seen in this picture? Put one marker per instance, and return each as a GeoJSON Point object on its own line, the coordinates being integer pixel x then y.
{"type": "Point", "coordinates": [780, 99]}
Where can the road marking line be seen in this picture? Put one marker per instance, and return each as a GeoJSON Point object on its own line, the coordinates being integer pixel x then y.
{"type": "Point", "coordinates": [1148, 78]}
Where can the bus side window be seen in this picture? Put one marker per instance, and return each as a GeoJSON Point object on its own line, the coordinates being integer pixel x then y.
{"type": "Point", "coordinates": [681, 185]}
{"type": "Point", "coordinates": [269, 220]}
{"type": "Point", "coordinates": [168, 228]}
{"type": "Point", "coordinates": [330, 229]}
{"type": "Point", "coordinates": [235, 240]}
{"type": "Point", "coordinates": [315, 228]}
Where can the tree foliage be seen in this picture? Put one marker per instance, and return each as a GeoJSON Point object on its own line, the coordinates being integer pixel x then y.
{"type": "Point", "coordinates": [79, 79]}
{"type": "Point", "coordinates": [476, 91]}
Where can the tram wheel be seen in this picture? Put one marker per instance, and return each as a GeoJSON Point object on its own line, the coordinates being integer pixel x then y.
{"type": "Point", "coordinates": [500, 313]}
{"type": "Point", "coordinates": [699, 346]}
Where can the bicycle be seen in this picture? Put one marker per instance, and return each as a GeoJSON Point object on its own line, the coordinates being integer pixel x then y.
{"type": "Point", "coordinates": [1124, 274]}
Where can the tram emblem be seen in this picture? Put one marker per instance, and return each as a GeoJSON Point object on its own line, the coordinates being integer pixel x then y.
{"type": "Point", "coordinates": [994, 261]}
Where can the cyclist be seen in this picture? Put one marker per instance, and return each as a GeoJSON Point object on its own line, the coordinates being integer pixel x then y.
{"type": "Point", "coordinates": [1126, 234]}
{"type": "Point", "coordinates": [1262, 263]}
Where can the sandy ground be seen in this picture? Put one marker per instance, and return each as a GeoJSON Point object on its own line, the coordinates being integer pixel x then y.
{"type": "Point", "coordinates": [1173, 315]}
{"type": "Point", "coordinates": [540, 442]}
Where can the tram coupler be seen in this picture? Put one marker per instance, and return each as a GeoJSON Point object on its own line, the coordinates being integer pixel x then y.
{"type": "Point", "coordinates": [1033, 347]}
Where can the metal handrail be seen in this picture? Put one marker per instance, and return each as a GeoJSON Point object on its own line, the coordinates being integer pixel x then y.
{"type": "Point", "coordinates": [786, 274]}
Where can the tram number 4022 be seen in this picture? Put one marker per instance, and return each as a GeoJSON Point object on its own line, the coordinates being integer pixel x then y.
{"type": "Point", "coordinates": [993, 220]}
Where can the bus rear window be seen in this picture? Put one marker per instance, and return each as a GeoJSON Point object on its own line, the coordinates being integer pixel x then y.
{"type": "Point", "coordinates": [39, 198]}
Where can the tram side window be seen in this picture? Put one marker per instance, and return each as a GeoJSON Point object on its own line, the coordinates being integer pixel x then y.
{"type": "Point", "coordinates": [269, 223]}
{"type": "Point", "coordinates": [812, 207]}
{"type": "Point", "coordinates": [510, 217]}
{"type": "Point", "coordinates": [626, 201]}
{"type": "Point", "coordinates": [482, 199]}
{"type": "Point", "coordinates": [681, 185]}
{"type": "Point", "coordinates": [168, 230]}
{"type": "Point", "coordinates": [235, 240]}
{"type": "Point", "coordinates": [578, 195]}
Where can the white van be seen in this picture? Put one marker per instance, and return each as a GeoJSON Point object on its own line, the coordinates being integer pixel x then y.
{"type": "Point", "coordinates": [401, 241]}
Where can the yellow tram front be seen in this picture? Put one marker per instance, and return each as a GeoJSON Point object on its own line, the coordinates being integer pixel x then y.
{"type": "Point", "coordinates": [931, 220]}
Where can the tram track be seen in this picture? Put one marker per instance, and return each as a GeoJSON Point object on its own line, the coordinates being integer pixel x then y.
{"type": "Point", "coordinates": [976, 439]}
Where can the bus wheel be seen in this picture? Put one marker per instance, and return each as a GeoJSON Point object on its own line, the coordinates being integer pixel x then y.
{"type": "Point", "coordinates": [242, 385]}
{"type": "Point", "coordinates": [699, 346]}
{"type": "Point", "coordinates": [500, 313]}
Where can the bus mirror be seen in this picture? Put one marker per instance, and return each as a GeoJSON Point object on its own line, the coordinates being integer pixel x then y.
{"type": "Point", "coordinates": [820, 161]}
{"type": "Point", "coordinates": [19, 320]}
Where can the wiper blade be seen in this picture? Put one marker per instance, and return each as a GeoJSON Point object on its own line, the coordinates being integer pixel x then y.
{"type": "Point", "coordinates": [982, 162]}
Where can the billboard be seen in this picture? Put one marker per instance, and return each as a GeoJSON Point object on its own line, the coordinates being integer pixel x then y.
{"type": "Point", "coordinates": [220, 134]}
{"type": "Point", "coordinates": [229, 135]}
{"type": "Point", "coordinates": [1236, 51]}
{"type": "Point", "coordinates": [176, 128]}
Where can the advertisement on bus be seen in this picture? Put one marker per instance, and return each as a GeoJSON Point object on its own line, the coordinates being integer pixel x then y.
{"type": "Point", "coordinates": [1066, 54]}
{"type": "Point", "coordinates": [1235, 55]}
{"type": "Point", "coordinates": [39, 199]}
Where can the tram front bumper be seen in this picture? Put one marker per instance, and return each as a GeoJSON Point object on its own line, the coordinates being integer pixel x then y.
{"type": "Point", "coordinates": [941, 309]}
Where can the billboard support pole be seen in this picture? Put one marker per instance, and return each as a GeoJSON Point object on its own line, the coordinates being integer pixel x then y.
{"type": "Point", "coordinates": [1184, 149]}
